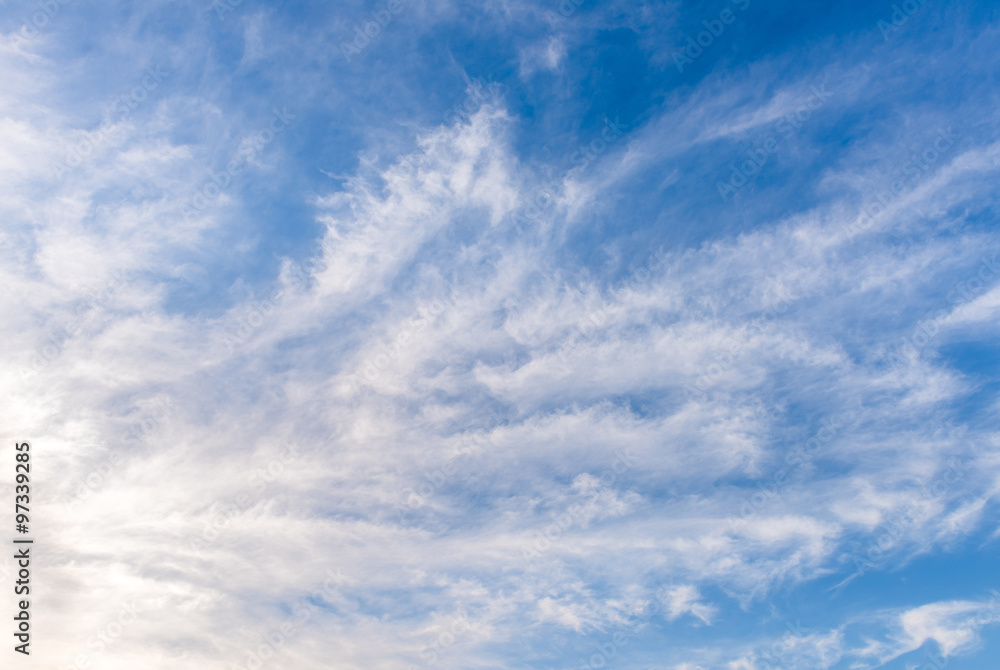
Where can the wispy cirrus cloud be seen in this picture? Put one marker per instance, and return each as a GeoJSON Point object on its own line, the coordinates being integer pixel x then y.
{"type": "Point", "coordinates": [600, 385]}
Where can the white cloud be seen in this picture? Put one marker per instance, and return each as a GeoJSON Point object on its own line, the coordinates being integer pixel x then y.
{"type": "Point", "coordinates": [953, 625]}
{"type": "Point", "coordinates": [702, 371]}
{"type": "Point", "coordinates": [686, 599]}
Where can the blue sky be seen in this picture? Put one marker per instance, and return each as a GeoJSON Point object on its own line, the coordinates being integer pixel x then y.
{"type": "Point", "coordinates": [645, 335]}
